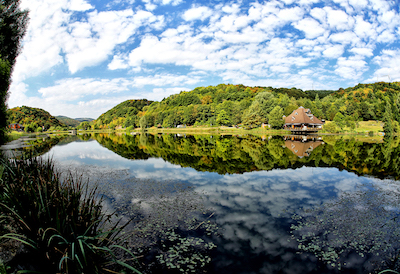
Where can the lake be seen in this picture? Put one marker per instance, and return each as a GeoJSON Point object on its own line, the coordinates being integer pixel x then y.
{"type": "Point", "coordinates": [251, 187]}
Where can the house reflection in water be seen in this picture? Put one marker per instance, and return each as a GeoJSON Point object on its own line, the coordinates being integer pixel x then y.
{"type": "Point", "coordinates": [302, 145]}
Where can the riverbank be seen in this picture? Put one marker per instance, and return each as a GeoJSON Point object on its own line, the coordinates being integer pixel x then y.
{"type": "Point", "coordinates": [370, 129]}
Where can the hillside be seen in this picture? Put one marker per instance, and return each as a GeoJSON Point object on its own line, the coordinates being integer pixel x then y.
{"type": "Point", "coordinates": [68, 121]}
{"type": "Point", "coordinates": [80, 120]}
{"type": "Point", "coordinates": [251, 106]}
{"type": "Point", "coordinates": [124, 114]}
{"type": "Point", "coordinates": [32, 118]}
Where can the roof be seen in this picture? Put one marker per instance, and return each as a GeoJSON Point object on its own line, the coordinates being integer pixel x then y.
{"type": "Point", "coordinates": [301, 149]}
{"type": "Point", "coordinates": [302, 116]}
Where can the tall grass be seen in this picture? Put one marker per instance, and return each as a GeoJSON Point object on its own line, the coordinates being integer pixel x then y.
{"type": "Point", "coordinates": [59, 221]}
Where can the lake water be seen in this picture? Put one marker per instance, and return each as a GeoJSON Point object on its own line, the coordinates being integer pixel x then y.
{"type": "Point", "coordinates": [253, 185]}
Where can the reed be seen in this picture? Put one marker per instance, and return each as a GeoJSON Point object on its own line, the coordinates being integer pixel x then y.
{"type": "Point", "coordinates": [58, 219]}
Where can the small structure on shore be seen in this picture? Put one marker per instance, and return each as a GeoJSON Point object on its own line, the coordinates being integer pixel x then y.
{"type": "Point", "coordinates": [302, 121]}
{"type": "Point", "coordinates": [16, 126]}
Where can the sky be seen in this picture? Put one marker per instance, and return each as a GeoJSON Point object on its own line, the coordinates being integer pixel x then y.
{"type": "Point", "coordinates": [80, 58]}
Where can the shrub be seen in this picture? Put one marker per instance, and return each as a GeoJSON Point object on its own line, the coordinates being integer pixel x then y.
{"type": "Point", "coordinates": [331, 127]}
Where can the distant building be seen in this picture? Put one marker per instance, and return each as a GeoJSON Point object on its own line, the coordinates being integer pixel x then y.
{"type": "Point", "coordinates": [16, 126]}
{"type": "Point", "coordinates": [302, 121]}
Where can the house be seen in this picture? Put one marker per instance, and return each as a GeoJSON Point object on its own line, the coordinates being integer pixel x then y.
{"type": "Point", "coordinates": [302, 121]}
{"type": "Point", "coordinates": [302, 146]}
{"type": "Point", "coordinates": [16, 126]}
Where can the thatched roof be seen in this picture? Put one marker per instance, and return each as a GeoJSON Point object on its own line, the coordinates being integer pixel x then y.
{"type": "Point", "coordinates": [302, 116]}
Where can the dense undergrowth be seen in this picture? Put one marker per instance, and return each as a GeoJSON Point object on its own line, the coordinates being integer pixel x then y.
{"type": "Point", "coordinates": [58, 223]}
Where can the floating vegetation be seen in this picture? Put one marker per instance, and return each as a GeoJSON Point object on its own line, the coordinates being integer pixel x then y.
{"type": "Point", "coordinates": [365, 222]}
{"type": "Point", "coordinates": [170, 227]}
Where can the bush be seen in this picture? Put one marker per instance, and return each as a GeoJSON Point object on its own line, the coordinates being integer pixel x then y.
{"type": "Point", "coordinates": [331, 127]}
{"type": "Point", "coordinates": [60, 222]}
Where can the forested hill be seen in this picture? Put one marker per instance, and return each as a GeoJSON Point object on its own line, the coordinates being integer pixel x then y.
{"type": "Point", "coordinates": [124, 114]}
{"type": "Point", "coordinates": [68, 121]}
{"type": "Point", "coordinates": [32, 118]}
{"type": "Point", "coordinates": [251, 106]}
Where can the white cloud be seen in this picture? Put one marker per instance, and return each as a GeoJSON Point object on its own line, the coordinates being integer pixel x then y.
{"type": "Point", "coordinates": [338, 19]}
{"type": "Point", "coordinates": [75, 88]}
{"type": "Point", "coordinates": [118, 62]}
{"type": "Point", "coordinates": [160, 93]}
{"type": "Point", "coordinates": [79, 5]}
{"type": "Point", "coordinates": [368, 52]}
{"type": "Point", "coordinates": [334, 51]}
{"type": "Point", "coordinates": [90, 43]}
{"type": "Point", "coordinates": [166, 80]}
{"type": "Point", "coordinates": [364, 29]}
{"type": "Point", "coordinates": [311, 28]}
{"type": "Point", "coordinates": [386, 37]}
{"type": "Point", "coordinates": [318, 13]}
{"type": "Point", "coordinates": [389, 66]}
{"type": "Point", "coordinates": [350, 68]}
{"type": "Point", "coordinates": [197, 13]}
{"type": "Point", "coordinates": [346, 37]}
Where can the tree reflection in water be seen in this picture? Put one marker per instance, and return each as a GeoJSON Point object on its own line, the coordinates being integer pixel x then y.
{"type": "Point", "coordinates": [251, 207]}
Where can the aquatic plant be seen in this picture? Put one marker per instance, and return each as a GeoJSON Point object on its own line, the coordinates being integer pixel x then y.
{"type": "Point", "coordinates": [365, 222]}
{"type": "Point", "coordinates": [171, 229]}
{"type": "Point", "coordinates": [59, 221]}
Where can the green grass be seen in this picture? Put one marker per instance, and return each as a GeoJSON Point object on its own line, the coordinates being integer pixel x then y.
{"type": "Point", "coordinates": [59, 220]}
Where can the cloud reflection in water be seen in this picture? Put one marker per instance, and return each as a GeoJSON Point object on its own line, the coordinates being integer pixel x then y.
{"type": "Point", "coordinates": [253, 209]}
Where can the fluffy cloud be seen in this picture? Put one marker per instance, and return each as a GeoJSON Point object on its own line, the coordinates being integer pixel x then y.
{"type": "Point", "coordinates": [351, 67]}
{"type": "Point", "coordinates": [166, 42]}
{"type": "Point", "coordinates": [333, 51]}
{"type": "Point", "coordinates": [389, 66]}
{"type": "Point", "coordinates": [311, 28]}
{"type": "Point", "coordinates": [197, 13]}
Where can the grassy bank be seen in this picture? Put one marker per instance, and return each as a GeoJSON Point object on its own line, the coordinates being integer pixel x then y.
{"type": "Point", "coordinates": [363, 127]}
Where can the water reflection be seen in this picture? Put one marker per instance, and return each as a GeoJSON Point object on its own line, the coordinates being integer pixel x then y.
{"type": "Point", "coordinates": [239, 154]}
{"type": "Point", "coordinates": [302, 146]}
{"type": "Point", "coordinates": [252, 185]}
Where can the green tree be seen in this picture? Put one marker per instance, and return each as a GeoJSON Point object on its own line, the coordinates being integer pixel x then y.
{"type": "Point", "coordinates": [143, 122]}
{"type": "Point", "coordinates": [331, 127]}
{"type": "Point", "coordinates": [259, 110]}
{"type": "Point", "coordinates": [339, 119]}
{"type": "Point", "coordinates": [388, 127]}
{"type": "Point", "coordinates": [13, 24]}
{"type": "Point", "coordinates": [223, 118]}
{"type": "Point", "coordinates": [275, 117]}
{"type": "Point", "coordinates": [84, 125]}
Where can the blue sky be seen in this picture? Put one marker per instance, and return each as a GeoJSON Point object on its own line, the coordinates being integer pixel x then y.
{"type": "Point", "coordinates": [82, 57]}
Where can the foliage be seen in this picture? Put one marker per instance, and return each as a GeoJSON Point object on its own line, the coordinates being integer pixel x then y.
{"type": "Point", "coordinates": [251, 106]}
{"type": "Point", "coordinates": [230, 154]}
{"type": "Point", "coordinates": [32, 117]}
{"type": "Point", "coordinates": [388, 127]}
{"type": "Point", "coordinates": [58, 219]}
{"type": "Point", "coordinates": [84, 125]}
{"type": "Point", "coordinates": [128, 110]}
{"type": "Point", "coordinates": [275, 118]}
{"type": "Point", "coordinates": [68, 121]}
{"type": "Point", "coordinates": [5, 73]}
{"type": "Point", "coordinates": [13, 24]}
{"type": "Point", "coordinates": [331, 127]}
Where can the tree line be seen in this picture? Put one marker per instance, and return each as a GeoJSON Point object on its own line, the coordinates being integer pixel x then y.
{"type": "Point", "coordinates": [250, 107]}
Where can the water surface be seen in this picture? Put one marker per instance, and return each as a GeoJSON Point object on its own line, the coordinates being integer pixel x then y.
{"type": "Point", "coordinates": [252, 184]}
